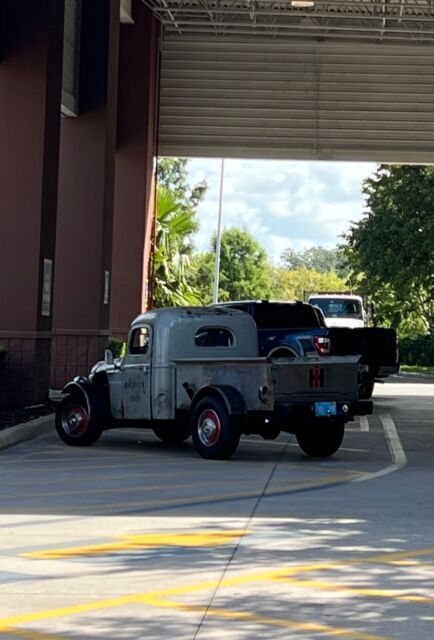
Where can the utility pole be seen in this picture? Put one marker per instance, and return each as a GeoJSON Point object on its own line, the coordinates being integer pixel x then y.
{"type": "Point", "coordinates": [218, 239]}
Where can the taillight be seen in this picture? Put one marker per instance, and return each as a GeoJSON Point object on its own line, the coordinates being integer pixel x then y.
{"type": "Point", "coordinates": [322, 345]}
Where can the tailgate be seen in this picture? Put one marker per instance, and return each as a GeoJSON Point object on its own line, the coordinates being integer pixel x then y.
{"type": "Point", "coordinates": [376, 346]}
{"type": "Point", "coordinates": [316, 379]}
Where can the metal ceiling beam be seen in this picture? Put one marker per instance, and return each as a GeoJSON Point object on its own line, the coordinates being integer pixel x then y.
{"type": "Point", "coordinates": [388, 20]}
{"type": "Point", "coordinates": [288, 13]}
{"type": "Point", "coordinates": [307, 28]}
{"type": "Point", "coordinates": [341, 35]}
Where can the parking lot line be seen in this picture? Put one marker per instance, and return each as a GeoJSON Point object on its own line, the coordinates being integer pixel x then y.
{"type": "Point", "coordinates": [393, 441]}
{"type": "Point", "coordinates": [390, 594]}
{"type": "Point", "coordinates": [14, 621]}
{"type": "Point", "coordinates": [31, 635]}
{"type": "Point", "coordinates": [284, 623]}
{"type": "Point", "coordinates": [144, 541]}
{"type": "Point", "coordinates": [364, 423]}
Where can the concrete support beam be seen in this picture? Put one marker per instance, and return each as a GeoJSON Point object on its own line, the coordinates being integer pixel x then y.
{"type": "Point", "coordinates": [85, 205]}
{"type": "Point", "coordinates": [135, 164]}
{"type": "Point", "coordinates": [31, 44]}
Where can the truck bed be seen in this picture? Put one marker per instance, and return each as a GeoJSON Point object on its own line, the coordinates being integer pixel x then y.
{"type": "Point", "coordinates": [288, 380]}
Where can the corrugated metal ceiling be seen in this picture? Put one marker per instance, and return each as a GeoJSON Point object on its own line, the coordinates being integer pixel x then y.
{"type": "Point", "coordinates": [341, 80]}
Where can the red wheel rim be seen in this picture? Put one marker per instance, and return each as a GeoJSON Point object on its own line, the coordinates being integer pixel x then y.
{"type": "Point", "coordinates": [209, 427]}
{"type": "Point", "coordinates": [75, 420]}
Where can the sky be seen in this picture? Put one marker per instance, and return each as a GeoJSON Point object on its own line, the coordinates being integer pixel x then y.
{"type": "Point", "coordinates": [282, 203]}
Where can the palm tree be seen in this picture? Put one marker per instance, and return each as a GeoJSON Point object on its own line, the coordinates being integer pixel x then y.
{"type": "Point", "coordinates": [172, 266]}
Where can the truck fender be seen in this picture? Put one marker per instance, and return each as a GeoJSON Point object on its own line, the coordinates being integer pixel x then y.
{"type": "Point", "coordinates": [95, 403]}
{"type": "Point", "coordinates": [232, 398]}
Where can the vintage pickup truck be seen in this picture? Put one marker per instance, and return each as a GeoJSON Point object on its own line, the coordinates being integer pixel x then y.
{"type": "Point", "coordinates": [197, 371]}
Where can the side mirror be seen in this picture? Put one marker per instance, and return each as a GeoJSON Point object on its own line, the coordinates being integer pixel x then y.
{"type": "Point", "coordinates": [109, 357]}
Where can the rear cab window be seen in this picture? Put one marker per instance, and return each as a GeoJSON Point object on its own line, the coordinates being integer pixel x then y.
{"type": "Point", "coordinates": [286, 316]}
{"type": "Point", "coordinates": [214, 337]}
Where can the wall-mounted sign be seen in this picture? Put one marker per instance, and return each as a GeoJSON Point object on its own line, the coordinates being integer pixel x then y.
{"type": "Point", "coordinates": [106, 286]}
{"type": "Point", "coordinates": [47, 283]}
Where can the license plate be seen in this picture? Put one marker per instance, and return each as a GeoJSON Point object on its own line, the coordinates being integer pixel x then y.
{"type": "Point", "coordinates": [323, 409]}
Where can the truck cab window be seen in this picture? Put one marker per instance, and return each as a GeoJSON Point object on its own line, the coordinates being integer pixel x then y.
{"type": "Point", "coordinates": [140, 340]}
{"type": "Point", "coordinates": [214, 337]}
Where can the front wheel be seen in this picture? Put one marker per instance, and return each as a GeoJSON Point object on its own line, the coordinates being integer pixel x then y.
{"type": "Point", "coordinates": [214, 434]}
{"type": "Point", "coordinates": [74, 425]}
{"type": "Point", "coordinates": [321, 438]}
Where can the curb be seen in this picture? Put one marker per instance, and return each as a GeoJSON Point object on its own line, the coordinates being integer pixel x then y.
{"type": "Point", "coordinates": [414, 374]}
{"type": "Point", "coordinates": [26, 431]}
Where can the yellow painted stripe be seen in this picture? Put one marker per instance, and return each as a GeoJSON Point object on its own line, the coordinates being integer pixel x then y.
{"type": "Point", "coordinates": [186, 589]}
{"type": "Point", "coordinates": [31, 635]}
{"type": "Point", "coordinates": [129, 599]}
{"type": "Point", "coordinates": [284, 623]}
{"type": "Point", "coordinates": [145, 541]}
{"type": "Point", "coordinates": [394, 594]}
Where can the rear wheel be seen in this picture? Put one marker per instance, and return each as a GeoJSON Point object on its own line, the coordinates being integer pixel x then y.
{"type": "Point", "coordinates": [214, 433]}
{"type": "Point", "coordinates": [366, 389]}
{"type": "Point", "coordinates": [74, 425]}
{"type": "Point", "coordinates": [321, 438]}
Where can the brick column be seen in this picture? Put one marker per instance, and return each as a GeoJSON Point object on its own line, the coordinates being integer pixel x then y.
{"type": "Point", "coordinates": [135, 163]}
{"type": "Point", "coordinates": [31, 45]}
{"type": "Point", "coordinates": [85, 205]}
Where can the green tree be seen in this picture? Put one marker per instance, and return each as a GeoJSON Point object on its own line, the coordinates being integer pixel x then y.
{"type": "Point", "coordinates": [172, 174]}
{"type": "Point", "coordinates": [317, 258]}
{"type": "Point", "coordinates": [172, 263]}
{"type": "Point", "coordinates": [391, 250]}
{"type": "Point", "coordinates": [244, 269]}
{"type": "Point", "coordinates": [173, 266]}
{"type": "Point", "coordinates": [297, 284]}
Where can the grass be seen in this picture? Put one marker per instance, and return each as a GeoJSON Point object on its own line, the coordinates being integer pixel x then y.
{"type": "Point", "coordinates": [414, 368]}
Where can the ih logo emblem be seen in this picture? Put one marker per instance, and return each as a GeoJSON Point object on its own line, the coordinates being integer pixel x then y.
{"type": "Point", "coordinates": [316, 377]}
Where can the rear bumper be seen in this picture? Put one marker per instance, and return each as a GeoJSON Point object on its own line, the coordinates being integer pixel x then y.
{"type": "Point", "coordinates": [383, 372]}
{"type": "Point", "coordinates": [305, 411]}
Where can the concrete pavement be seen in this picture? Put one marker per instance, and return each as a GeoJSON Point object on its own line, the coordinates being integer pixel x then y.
{"type": "Point", "coordinates": [132, 538]}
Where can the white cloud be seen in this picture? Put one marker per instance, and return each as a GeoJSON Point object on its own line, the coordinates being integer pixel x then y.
{"type": "Point", "coordinates": [298, 204]}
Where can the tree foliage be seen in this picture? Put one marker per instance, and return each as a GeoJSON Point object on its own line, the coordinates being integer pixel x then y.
{"type": "Point", "coordinates": [244, 269]}
{"type": "Point", "coordinates": [391, 250]}
{"type": "Point", "coordinates": [173, 175]}
{"type": "Point", "coordinates": [173, 249]}
{"type": "Point", "coordinates": [316, 258]}
{"type": "Point", "coordinates": [298, 284]}
{"type": "Point", "coordinates": [173, 265]}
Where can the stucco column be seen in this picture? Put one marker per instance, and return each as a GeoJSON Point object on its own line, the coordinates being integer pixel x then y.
{"type": "Point", "coordinates": [135, 164]}
{"type": "Point", "coordinates": [85, 204]}
{"type": "Point", "coordinates": [31, 45]}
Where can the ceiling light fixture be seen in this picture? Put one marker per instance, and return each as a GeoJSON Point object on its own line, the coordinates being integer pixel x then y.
{"type": "Point", "coordinates": [302, 3]}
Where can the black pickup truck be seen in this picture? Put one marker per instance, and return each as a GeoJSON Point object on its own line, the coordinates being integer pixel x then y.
{"type": "Point", "coordinates": [296, 329]}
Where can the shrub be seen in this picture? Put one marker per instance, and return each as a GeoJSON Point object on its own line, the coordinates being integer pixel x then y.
{"type": "Point", "coordinates": [117, 346]}
{"type": "Point", "coordinates": [417, 350]}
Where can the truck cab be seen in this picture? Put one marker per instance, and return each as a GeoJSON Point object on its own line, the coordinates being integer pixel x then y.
{"type": "Point", "coordinates": [341, 309]}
